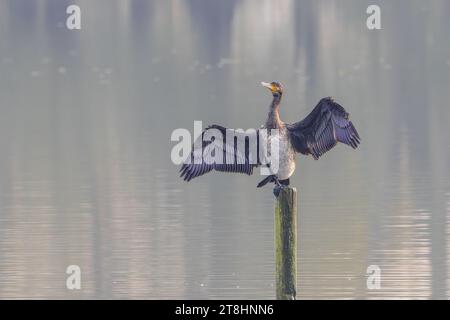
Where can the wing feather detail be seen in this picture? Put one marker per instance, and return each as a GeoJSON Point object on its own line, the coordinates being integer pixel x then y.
{"type": "Point", "coordinates": [322, 129]}
{"type": "Point", "coordinates": [235, 158]}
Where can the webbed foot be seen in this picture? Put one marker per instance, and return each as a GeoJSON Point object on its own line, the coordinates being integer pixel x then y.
{"type": "Point", "coordinates": [277, 189]}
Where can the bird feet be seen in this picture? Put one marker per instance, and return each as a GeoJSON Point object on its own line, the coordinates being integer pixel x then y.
{"type": "Point", "coordinates": [277, 189]}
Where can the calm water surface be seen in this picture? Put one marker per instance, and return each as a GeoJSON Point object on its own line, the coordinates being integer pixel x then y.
{"type": "Point", "coordinates": [85, 170]}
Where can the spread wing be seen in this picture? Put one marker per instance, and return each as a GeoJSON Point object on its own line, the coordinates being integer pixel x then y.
{"type": "Point", "coordinates": [322, 129]}
{"type": "Point", "coordinates": [239, 153]}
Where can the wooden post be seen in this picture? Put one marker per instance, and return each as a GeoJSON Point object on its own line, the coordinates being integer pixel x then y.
{"type": "Point", "coordinates": [286, 244]}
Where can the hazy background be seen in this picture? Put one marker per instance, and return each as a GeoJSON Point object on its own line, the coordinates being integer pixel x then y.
{"type": "Point", "coordinates": [85, 170]}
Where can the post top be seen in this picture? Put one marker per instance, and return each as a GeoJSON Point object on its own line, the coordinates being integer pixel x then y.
{"type": "Point", "coordinates": [288, 189]}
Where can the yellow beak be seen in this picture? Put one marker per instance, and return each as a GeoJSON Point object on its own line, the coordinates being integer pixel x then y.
{"type": "Point", "coordinates": [267, 85]}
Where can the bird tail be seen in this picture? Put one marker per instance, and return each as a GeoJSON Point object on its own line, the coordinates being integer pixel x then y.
{"type": "Point", "coordinates": [266, 180]}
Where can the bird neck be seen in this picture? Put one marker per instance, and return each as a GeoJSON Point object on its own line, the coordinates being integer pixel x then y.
{"type": "Point", "coordinates": [273, 120]}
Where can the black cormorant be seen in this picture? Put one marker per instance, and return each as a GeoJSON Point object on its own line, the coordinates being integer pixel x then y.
{"type": "Point", "coordinates": [321, 130]}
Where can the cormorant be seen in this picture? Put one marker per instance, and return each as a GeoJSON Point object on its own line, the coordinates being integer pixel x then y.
{"type": "Point", "coordinates": [320, 131]}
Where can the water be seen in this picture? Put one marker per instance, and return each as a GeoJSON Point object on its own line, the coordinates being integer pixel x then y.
{"type": "Point", "coordinates": [85, 170]}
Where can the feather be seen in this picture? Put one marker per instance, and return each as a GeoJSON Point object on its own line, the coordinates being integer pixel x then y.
{"type": "Point", "coordinates": [326, 125]}
{"type": "Point", "coordinates": [202, 157]}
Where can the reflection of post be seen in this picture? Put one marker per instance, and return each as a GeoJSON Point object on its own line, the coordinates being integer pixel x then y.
{"type": "Point", "coordinates": [286, 244]}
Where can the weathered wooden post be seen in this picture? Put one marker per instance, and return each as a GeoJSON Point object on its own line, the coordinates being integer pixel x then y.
{"type": "Point", "coordinates": [286, 244]}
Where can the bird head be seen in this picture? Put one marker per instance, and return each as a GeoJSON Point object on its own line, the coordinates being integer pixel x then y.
{"type": "Point", "coordinates": [275, 87]}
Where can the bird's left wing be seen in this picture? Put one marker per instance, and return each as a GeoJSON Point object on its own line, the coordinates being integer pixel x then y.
{"type": "Point", "coordinates": [230, 151]}
{"type": "Point", "coordinates": [322, 129]}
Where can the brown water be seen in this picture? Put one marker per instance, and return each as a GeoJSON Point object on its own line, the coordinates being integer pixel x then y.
{"type": "Point", "coordinates": [85, 170]}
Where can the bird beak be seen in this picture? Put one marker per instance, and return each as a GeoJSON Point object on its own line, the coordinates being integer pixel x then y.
{"type": "Point", "coordinates": [267, 85]}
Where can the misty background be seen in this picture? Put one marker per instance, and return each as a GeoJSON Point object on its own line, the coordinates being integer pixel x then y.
{"type": "Point", "coordinates": [85, 170]}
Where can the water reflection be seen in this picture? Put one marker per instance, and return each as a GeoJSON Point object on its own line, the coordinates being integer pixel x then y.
{"type": "Point", "coordinates": [86, 177]}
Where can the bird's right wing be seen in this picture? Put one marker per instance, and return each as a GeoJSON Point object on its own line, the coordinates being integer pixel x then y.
{"type": "Point", "coordinates": [239, 152]}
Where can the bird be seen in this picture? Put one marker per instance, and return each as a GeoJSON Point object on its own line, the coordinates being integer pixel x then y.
{"type": "Point", "coordinates": [325, 126]}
